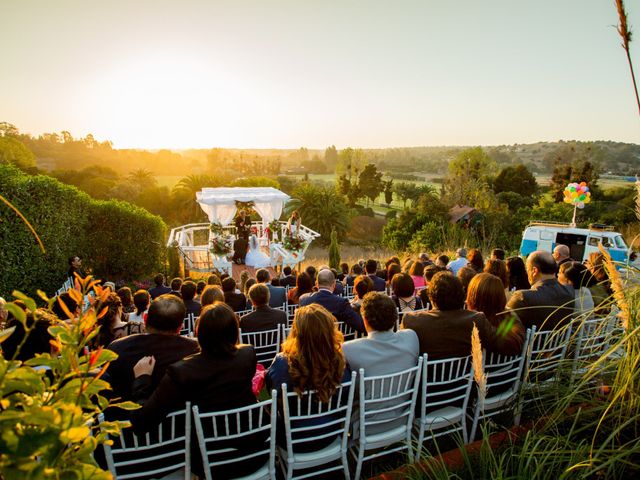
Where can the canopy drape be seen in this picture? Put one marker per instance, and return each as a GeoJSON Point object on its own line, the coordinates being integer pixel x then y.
{"type": "Point", "coordinates": [220, 203]}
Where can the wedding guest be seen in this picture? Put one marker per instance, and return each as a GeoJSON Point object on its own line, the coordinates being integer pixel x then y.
{"type": "Point", "coordinates": [111, 324]}
{"type": "Point", "coordinates": [361, 286]}
{"type": "Point", "coordinates": [303, 285]}
{"type": "Point", "coordinates": [277, 295]}
{"type": "Point", "coordinates": [459, 262]}
{"type": "Point", "coordinates": [442, 261]}
{"type": "Point", "coordinates": [417, 275]}
{"type": "Point", "coordinates": [237, 301]}
{"type": "Point", "coordinates": [199, 288]}
{"type": "Point", "coordinates": [160, 288]}
{"type": "Point", "coordinates": [392, 270]}
{"type": "Point", "coordinates": [499, 269]}
{"type": "Point", "coordinates": [486, 294]}
{"type": "Point", "coordinates": [126, 297]}
{"type": "Point", "coordinates": [579, 278]}
{"type": "Point", "coordinates": [517, 274]}
{"type": "Point", "coordinates": [75, 267]}
{"type": "Point", "coordinates": [289, 279]}
{"type": "Point", "coordinates": [214, 279]}
{"type": "Point", "coordinates": [371, 268]}
{"type": "Point", "coordinates": [211, 294]}
{"type": "Point", "coordinates": [176, 284]}
{"type": "Point", "coordinates": [562, 254]}
{"type": "Point", "coordinates": [356, 270]}
{"type": "Point", "coordinates": [497, 254]}
{"type": "Point", "coordinates": [465, 274]}
{"type": "Point", "coordinates": [403, 293]}
{"type": "Point", "coordinates": [475, 260]}
{"type": "Point", "coordinates": [263, 316]}
{"type": "Point", "coordinates": [188, 293]}
{"type": "Point", "coordinates": [600, 288]}
{"type": "Point", "coordinates": [141, 301]}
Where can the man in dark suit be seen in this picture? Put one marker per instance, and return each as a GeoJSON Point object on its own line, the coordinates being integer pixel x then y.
{"type": "Point", "coordinates": [277, 295]}
{"type": "Point", "coordinates": [288, 280]}
{"type": "Point", "coordinates": [379, 285]}
{"type": "Point", "coordinates": [338, 306]}
{"type": "Point", "coordinates": [445, 331]}
{"type": "Point", "coordinates": [160, 288]}
{"type": "Point", "coordinates": [236, 300]}
{"type": "Point", "coordinates": [188, 292]}
{"type": "Point", "coordinates": [176, 285]}
{"type": "Point", "coordinates": [263, 317]}
{"type": "Point", "coordinates": [356, 271]}
{"type": "Point", "coordinates": [562, 254]}
{"type": "Point", "coordinates": [548, 304]}
{"type": "Point", "coordinates": [162, 340]}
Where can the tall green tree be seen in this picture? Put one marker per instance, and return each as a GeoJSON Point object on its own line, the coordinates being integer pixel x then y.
{"type": "Point", "coordinates": [331, 157]}
{"type": "Point", "coordinates": [470, 170]}
{"type": "Point", "coordinates": [320, 209]}
{"type": "Point", "coordinates": [185, 191]}
{"type": "Point", "coordinates": [14, 152]}
{"type": "Point", "coordinates": [334, 250]}
{"type": "Point", "coordinates": [388, 192]}
{"type": "Point", "coordinates": [370, 182]}
{"type": "Point", "coordinates": [517, 178]}
{"type": "Point", "coordinates": [579, 171]}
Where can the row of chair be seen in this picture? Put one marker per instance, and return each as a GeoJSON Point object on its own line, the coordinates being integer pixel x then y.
{"type": "Point", "coordinates": [384, 419]}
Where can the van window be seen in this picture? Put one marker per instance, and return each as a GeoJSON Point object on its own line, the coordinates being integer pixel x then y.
{"type": "Point", "coordinates": [546, 235]}
{"type": "Point", "coordinates": [594, 241]}
{"type": "Point", "coordinates": [607, 242]}
{"type": "Point", "coordinates": [620, 242]}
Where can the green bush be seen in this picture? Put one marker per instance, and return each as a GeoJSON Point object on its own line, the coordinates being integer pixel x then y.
{"type": "Point", "coordinates": [116, 239]}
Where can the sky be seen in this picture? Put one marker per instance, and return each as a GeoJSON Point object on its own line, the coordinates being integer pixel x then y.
{"type": "Point", "coordinates": [286, 74]}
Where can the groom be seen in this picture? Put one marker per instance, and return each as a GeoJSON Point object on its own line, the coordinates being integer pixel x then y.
{"type": "Point", "coordinates": [240, 245]}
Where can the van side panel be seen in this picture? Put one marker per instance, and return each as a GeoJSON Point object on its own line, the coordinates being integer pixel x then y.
{"type": "Point", "coordinates": [528, 246]}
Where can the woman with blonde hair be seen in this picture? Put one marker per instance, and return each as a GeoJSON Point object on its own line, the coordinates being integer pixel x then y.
{"type": "Point", "coordinates": [311, 359]}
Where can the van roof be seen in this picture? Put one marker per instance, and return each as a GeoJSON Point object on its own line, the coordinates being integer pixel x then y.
{"type": "Point", "coordinates": [596, 227]}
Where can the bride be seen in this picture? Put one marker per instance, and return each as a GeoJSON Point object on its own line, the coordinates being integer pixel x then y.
{"type": "Point", "coordinates": [255, 258]}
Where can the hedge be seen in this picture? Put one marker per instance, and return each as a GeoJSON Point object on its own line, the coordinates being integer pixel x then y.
{"type": "Point", "coordinates": [118, 241]}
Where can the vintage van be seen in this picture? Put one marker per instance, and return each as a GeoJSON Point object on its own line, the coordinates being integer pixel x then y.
{"type": "Point", "coordinates": [581, 241]}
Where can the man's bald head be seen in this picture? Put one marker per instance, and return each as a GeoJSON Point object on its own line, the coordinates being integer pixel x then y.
{"type": "Point", "coordinates": [561, 252]}
{"type": "Point", "coordinates": [326, 279]}
{"type": "Point", "coordinates": [541, 266]}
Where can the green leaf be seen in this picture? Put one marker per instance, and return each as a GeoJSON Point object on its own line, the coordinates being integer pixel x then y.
{"type": "Point", "coordinates": [17, 312]}
{"type": "Point", "coordinates": [28, 301]}
{"type": "Point", "coordinates": [6, 333]}
{"type": "Point", "coordinates": [126, 405]}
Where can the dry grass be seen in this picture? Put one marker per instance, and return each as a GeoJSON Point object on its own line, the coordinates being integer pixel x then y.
{"type": "Point", "coordinates": [350, 254]}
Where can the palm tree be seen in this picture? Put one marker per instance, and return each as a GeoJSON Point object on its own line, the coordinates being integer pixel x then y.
{"type": "Point", "coordinates": [142, 178]}
{"type": "Point", "coordinates": [320, 209]}
{"type": "Point", "coordinates": [184, 194]}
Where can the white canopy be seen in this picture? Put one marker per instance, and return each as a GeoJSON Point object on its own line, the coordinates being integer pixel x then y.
{"type": "Point", "coordinates": [220, 203]}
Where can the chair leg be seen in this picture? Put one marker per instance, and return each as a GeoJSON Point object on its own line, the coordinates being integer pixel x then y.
{"type": "Point", "coordinates": [345, 465]}
{"type": "Point", "coordinates": [420, 441]}
{"type": "Point", "coordinates": [410, 448]}
{"type": "Point", "coordinates": [474, 426]}
{"type": "Point", "coordinates": [359, 463]}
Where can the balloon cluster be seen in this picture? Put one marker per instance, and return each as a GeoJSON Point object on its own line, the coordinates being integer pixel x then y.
{"type": "Point", "coordinates": [577, 194]}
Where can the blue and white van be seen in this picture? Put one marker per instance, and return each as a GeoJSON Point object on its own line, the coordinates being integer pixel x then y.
{"type": "Point", "coordinates": [581, 241]}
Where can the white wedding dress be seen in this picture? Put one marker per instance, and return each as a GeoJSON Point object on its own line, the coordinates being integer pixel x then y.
{"type": "Point", "coordinates": [255, 257]}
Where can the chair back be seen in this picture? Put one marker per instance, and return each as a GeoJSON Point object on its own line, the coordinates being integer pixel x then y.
{"type": "Point", "coordinates": [347, 331]}
{"type": "Point", "coordinates": [593, 338]}
{"type": "Point", "coordinates": [243, 313]}
{"type": "Point", "coordinates": [291, 312]}
{"type": "Point", "coordinates": [155, 454]}
{"type": "Point", "coordinates": [189, 325]}
{"type": "Point", "coordinates": [388, 401]}
{"type": "Point", "coordinates": [445, 383]}
{"type": "Point", "coordinates": [307, 419]}
{"type": "Point", "coordinates": [265, 343]}
{"type": "Point", "coordinates": [547, 351]}
{"type": "Point", "coordinates": [223, 438]}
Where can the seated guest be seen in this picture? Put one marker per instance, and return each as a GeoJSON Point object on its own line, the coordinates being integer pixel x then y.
{"type": "Point", "coordinates": [499, 269]}
{"type": "Point", "coordinates": [562, 254]}
{"type": "Point", "coordinates": [459, 262]}
{"type": "Point", "coordinates": [312, 272]}
{"type": "Point", "coordinates": [417, 275]}
{"type": "Point", "coordinates": [576, 275]}
{"type": "Point", "coordinates": [356, 270]}
{"type": "Point", "coordinates": [311, 359]}
{"type": "Point", "coordinates": [424, 259]}
{"type": "Point", "coordinates": [382, 351]}
{"type": "Point", "coordinates": [429, 272]}
{"type": "Point", "coordinates": [176, 284]}
{"type": "Point", "coordinates": [392, 270]}
{"type": "Point", "coordinates": [111, 323]}
{"type": "Point", "coordinates": [38, 340]}
{"type": "Point", "coordinates": [160, 288]}
{"type": "Point", "coordinates": [237, 301]}
{"type": "Point", "coordinates": [70, 307]}
{"type": "Point", "coordinates": [126, 297]}
{"type": "Point", "coordinates": [141, 301]}
{"type": "Point", "coordinates": [344, 271]}
{"type": "Point", "coordinates": [289, 280]}
{"type": "Point", "coordinates": [361, 287]}
{"type": "Point", "coordinates": [199, 288]}
{"type": "Point", "coordinates": [263, 317]}
{"type": "Point", "coordinates": [338, 306]}
{"type": "Point", "coordinates": [303, 285]}
{"type": "Point", "coordinates": [442, 261]}
{"type": "Point", "coordinates": [339, 288]}
{"type": "Point", "coordinates": [217, 378]}
{"type": "Point", "coordinates": [211, 294]}
{"type": "Point", "coordinates": [403, 293]}
{"type": "Point", "coordinates": [547, 304]}
{"type": "Point", "coordinates": [465, 274]}
{"type": "Point", "coordinates": [277, 295]}
{"type": "Point", "coordinates": [445, 331]}
{"type": "Point", "coordinates": [486, 294]}
{"type": "Point", "coordinates": [371, 267]}
{"type": "Point", "coordinates": [214, 279]}
{"type": "Point", "coordinates": [475, 260]}
{"type": "Point", "coordinates": [244, 277]}
{"type": "Point", "coordinates": [517, 272]}
{"type": "Point", "coordinates": [497, 254]}
{"type": "Point", "coordinates": [162, 341]}
{"type": "Point", "coordinates": [188, 293]}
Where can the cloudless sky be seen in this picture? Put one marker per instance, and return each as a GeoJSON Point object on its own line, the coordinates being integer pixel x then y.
{"type": "Point", "coordinates": [285, 74]}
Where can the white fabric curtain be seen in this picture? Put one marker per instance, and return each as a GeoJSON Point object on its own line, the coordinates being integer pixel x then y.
{"type": "Point", "coordinates": [220, 213]}
{"type": "Point", "coordinates": [269, 211]}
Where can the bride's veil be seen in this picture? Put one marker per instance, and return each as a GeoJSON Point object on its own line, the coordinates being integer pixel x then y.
{"type": "Point", "coordinates": [253, 242]}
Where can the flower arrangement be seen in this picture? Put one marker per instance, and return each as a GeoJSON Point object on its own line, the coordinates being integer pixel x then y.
{"type": "Point", "coordinates": [272, 228]}
{"type": "Point", "coordinates": [293, 243]}
{"type": "Point", "coordinates": [220, 246]}
{"type": "Point", "coordinates": [216, 229]}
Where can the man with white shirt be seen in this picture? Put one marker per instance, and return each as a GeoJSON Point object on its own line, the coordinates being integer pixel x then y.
{"type": "Point", "coordinates": [459, 262]}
